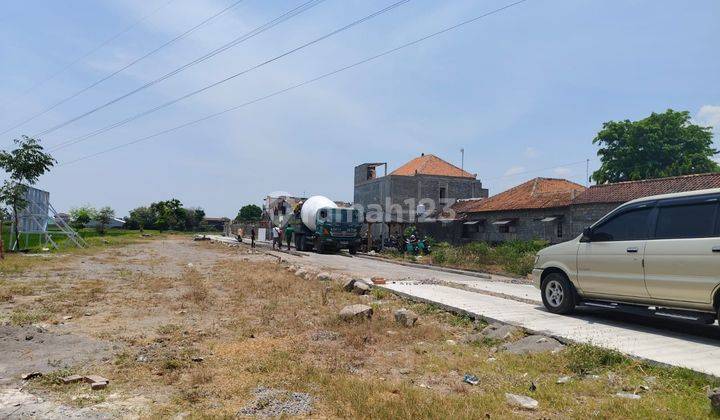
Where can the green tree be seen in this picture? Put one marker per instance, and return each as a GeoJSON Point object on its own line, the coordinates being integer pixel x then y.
{"type": "Point", "coordinates": [658, 146]}
{"type": "Point", "coordinates": [24, 165]}
{"type": "Point", "coordinates": [193, 218]}
{"type": "Point", "coordinates": [169, 214]}
{"type": "Point", "coordinates": [103, 218]}
{"type": "Point", "coordinates": [249, 213]}
{"type": "Point", "coordinates": [81, 216]}
{"type": "Point", "coordinates": [140, 218]}
{"type": "Point", "coordinates": [4, 215]}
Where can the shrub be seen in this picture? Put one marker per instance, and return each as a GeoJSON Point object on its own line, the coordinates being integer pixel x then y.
{"type": "Point", "coordinates": [478, 248]}
{"type": "Point", "coordinates": [515, 257]}
{"type": "Point", "coordinates": [585, 358]}
{"type": "Point", "coordinates": [439, 255]}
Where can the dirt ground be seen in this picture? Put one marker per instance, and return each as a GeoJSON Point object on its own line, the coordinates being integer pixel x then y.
{"type": "Point", "coordinates": [183, 328]}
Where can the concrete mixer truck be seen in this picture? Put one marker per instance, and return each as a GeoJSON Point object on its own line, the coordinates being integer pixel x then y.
{"type": "Point", "coordinates": [319, 224]}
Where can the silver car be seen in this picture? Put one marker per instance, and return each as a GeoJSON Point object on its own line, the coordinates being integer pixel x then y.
{"type": "Point", "coordinates": [659, 253]}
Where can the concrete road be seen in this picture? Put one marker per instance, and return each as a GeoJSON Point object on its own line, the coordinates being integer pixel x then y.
{"type": "Point", "coordinates": [692, 346]}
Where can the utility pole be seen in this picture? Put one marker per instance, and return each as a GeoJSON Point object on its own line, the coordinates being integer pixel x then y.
{"type": "Point", "coordinates": [587, 172]}
{"type": "Point", "coordinates": [462, 159]}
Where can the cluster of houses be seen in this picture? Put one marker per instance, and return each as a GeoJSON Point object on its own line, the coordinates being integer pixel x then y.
{"type": "Point", "coordinates": [555, 210]}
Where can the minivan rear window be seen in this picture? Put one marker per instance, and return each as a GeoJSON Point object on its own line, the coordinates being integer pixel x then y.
{"type": "Point", "coordinates": [686, 221]}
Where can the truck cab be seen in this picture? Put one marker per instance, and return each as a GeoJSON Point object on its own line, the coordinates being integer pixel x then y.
{"type": "Point", "coordinates": [338, 228]}
{"type": "Point", "coordinates": [335, 229]}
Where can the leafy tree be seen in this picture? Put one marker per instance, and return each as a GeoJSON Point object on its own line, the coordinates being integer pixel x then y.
{"type": "Point", "coordinates": [163, 215]}
{"type": "Point", "coordinates": [661, 145]}
{"type": "Point", "coordinates": [81, 216]}
{"type": "Point", "coordinates": [103, 218]}
{"type": "Point", "coordinates": [24, 165]}
{"type": "Point", "coordinates": [169, 214]}
{"type": "Point", "coordinates": [249, 213]}
{"type": "Point", "coordinates": [141, 218]}
{"type": "Point", "coordinates": [4, 215]}
{"type": "Point", "coordinates": [193, 218]}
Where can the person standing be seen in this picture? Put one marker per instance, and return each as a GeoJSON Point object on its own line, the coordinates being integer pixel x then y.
{"type": "Point", "coordinates": [276, 237]}
{"type": "Point", "coordinates": [288, 235]}
{"type": "Point", "coordinates": [252, 237]}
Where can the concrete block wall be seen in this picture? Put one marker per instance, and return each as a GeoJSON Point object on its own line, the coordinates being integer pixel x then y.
{"type": "Point", "coordinates": [527, 226]}
{"type": "Point", "coordinates": [397, 189]}
{"type": "Point", "coordinates": [584, 215]}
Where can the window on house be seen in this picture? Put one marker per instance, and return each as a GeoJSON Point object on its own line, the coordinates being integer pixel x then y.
{"type": "Point", "coordinates": [443, 194]}
{"type": "Point", "coordinates": [506, 225]}
{"type": "Point", "coordinates": [507, 228]}
{"type": "Point", "coordinates": [471, 228]}
{"type": "Point", "coordinates": [559, 230]}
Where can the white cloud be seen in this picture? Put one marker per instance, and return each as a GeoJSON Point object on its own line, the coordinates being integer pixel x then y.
{"type": "Point", "coordinates": [709, 115]}
{"type": "Point", "coordinates": [530, 152]}
{"type": "Point", "coordinates": [514, 170]}
{"type": "Point", "coordinates": [562, 171]}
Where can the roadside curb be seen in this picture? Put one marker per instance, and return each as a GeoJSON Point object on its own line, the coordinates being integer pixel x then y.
{"type": "Point", "coordinates": [428, 267]}
{"type": "Point", "coordinates": [560, 338]}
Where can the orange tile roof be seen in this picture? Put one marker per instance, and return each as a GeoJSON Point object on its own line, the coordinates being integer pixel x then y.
{"type": "Point", "coordinates": [430, 165]}
{"type": "Point", "coordinates": [538, 193]}
{"type": "Point", "coordinates": [620, 192]}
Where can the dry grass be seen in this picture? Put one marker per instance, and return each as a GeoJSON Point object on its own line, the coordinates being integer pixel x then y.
{"type": "Point", "coordinates": [255, 324]}
{"type": "Point", "coordinates": [198, 291]}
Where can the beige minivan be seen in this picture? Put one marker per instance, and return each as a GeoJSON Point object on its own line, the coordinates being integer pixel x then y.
{"type": "Point", "coordinates": [658, 254]}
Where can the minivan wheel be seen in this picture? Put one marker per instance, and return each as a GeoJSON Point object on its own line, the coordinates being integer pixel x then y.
{"type": "Point", "coordinates": [558, 295]}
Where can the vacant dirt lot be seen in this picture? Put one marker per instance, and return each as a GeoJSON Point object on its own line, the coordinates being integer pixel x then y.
{"type": "Point", "coordinates": [200, 329]}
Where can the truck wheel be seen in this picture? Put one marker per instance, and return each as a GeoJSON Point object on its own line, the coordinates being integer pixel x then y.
{"type": "Point", "coordinates": [353, 250]}
{"type": "Point", "coordinates": [558, 295]}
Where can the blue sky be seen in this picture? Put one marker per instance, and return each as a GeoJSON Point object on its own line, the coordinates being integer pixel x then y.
{"type": "Point", "coordinates": [520, 91]}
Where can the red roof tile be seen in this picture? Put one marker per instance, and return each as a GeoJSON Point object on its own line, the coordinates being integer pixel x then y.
{"type": "Point", "coordinates": [430, 165]}
{"type": "Point", "coordinates": [538, 193]}
{"type": "Point", "coordinates": [621, 192]}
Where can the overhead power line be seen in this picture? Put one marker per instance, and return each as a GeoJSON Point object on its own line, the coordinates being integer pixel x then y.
{"type": "Point", "coordinates": [125, 67]}
{"type": "Point", "coordinates": [253, 33]}
{"type": "Point", "coordinates": [299, 85]}
{"type": "Point", "coordinates": [231, 77]}
{"type": "Point", "coordinates": [88, 53]}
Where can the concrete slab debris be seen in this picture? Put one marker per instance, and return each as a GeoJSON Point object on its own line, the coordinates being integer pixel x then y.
{"type": "Point", "coordinates": [628, 395]}
{"type": "Point", "coordinates": [348, 285]}
{"type": "Point", "coordinates": [533, 344]}
{"type": "Point", "coordinates": [356, 312]}
{"type": "Point", "coordinates": [502, 332]}
{"type": "Point", "coordinates": [71, 379]}
{"type": "Point", "coordinates": [360, 287]}
{"type": "Point", "coordinates": [406, 317]}
{"type": "Point", "coordinates": [521, 401]}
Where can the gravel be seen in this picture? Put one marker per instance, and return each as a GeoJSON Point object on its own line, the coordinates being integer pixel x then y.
{"type": "Point", "coordinates": [269, 402]}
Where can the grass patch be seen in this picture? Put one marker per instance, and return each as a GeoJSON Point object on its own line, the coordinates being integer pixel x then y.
{"type": "Point", "coordinates": [513, 257]}
{"type": "Point", "coordinates": [197, 288]}
{"type": "Point", "coordinates": [583, 359]}
{"type": "Point", "coordinates": [27, 317]}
